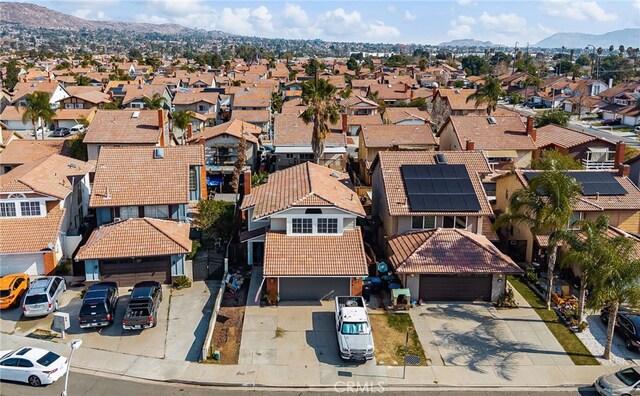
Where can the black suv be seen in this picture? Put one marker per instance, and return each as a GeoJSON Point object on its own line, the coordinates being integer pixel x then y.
{"type": "Point", "coordinates": [627, 326]}
{"type": "Point", "coordinates": [99, 305]}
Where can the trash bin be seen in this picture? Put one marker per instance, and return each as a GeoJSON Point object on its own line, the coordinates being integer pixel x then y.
{"type": "Point", "coordinates": [376, 284]}
{"type": "Point", "coordinates": [366, 290]}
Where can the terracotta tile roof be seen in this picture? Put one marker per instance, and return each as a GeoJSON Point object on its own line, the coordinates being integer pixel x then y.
{"type": "Point", "coordinates": [290, 130]}
{"type": "Point", "coordinates": [457, 99]}
{"type": "Point", "coordinates": [252, 97]}
{"type": "Point", "coordinates": [399, 114]}
{"type": "Point", "coordinates": [563, 137]}
{"type": "Point", "coordinates": [306, 255]}
{"type": "Point", "coordinates": [448, 251]}
{"type": "Point", "coordinates": [307, 184]}
{"type": "Point", "coordinates": [30, 234]}
{"type": "Point", "coordinates": [140, 237]}
{"type": "Point", "coordinates": [398, 91]}
{"type": "Point", "coordinates": [139, 91]}
{"type": "Point", "coordinates": [13, 113]}
{"type": "Point", "coordinates": [120, 126]}
{"type": "Point", "coordinates": [508, 133]}
{"type": "Point", "coordinates": [252, 115]}
{"type": "Point", "coordinates": [487, 230]}
{"type": "Point", "coordinates": [390, 162]}
{"type": "Point", "coordinates": [23, 89]}
{"type": "Point", "coordinates": [397, 135]}
{"type": "Point", "coordinates": [187, 98]}
{"type": "Point", "coordinates": [618, 89]}
{"type": "Point", "coordinates": [52, 176]}
{"type": "Point", "coordinates": [72, 114]}
{"type": "Point", "coordinates": [370, 119]}
{"type": "Point", "coordinates": [95, 97]}
{"type": "Point", "coordinates": [362, 83]}
{"type": "Point", "coordinates": [23, 151]}
{"type": "Point", "coordinates": [234, 128]}
{"type": "Point", "coordinates": [144, 180]}
{"type": "Point", "coordinates": [356, 99]}
{"type": "Point", "coordinates": [633, 110]}
{"type": "Point", "coordinates": [7, 137]}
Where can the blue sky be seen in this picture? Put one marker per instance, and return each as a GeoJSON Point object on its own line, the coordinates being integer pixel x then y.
{"type": "Point", "coordinates": [425, 22]}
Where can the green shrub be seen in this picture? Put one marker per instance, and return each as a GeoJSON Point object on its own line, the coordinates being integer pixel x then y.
{"type": "Point", "coordinates": [181, 282]}
{"type": "Point", "coordinates": [64, 268]}
{"type": "Point", "coordinates": [195, 245]}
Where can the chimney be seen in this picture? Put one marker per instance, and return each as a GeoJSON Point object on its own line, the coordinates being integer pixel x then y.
{"type": "Point", "coordinates": [624, 170]}
{"type": "Point", "coordinates": [531, 131]}
{"type": "Point", "coordinates": [189, 131]}
{"type": "Point", "coordinates": [434, 90]}
{"type": "Point", "coordinates": [610, 82]}
{"type": "Point", "coordinates": [161, 119]}
{"type": "Point", "coordinates": [110, 95]}
{"type": "Point", "coordinates": [345, 124]}
{"type": "Point", "coordinates": [471, 145]}
{"type": "Point", "coordinates": [247, 182]}
{"type": "Point", "coordinates": [619, 158]}
{"type": "Point", "coordinates": [201, 141]}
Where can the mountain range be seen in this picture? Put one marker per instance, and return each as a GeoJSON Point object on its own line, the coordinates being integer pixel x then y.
{"type": "Point", "coordinates": [468, 43]}
{"type": "Point", "coordinates": [626, 37]}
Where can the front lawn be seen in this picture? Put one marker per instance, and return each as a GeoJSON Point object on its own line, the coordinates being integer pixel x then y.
{"type": "Point", "coordinates": [576, 350]}
{"type": "Point", "coordinates": [389, 337]}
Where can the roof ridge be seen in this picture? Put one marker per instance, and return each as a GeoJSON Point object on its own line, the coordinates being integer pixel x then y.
{"type": "Point", "coordinates": [151, 222]}
{"type": "Point", "coordinates": [472, 237]}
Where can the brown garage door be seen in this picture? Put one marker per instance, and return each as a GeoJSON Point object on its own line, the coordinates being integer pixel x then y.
{"type": "Point", "coordinates": [128, 272]}
{"type": "Point", "coordinates": [455, 287]}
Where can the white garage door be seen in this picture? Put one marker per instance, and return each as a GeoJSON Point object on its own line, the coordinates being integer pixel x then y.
{"type": "Point", "coordinates": [31, 264]}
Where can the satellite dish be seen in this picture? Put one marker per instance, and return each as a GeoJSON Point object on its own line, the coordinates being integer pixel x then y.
{"type": "Point", "coordinates": [382, 267]}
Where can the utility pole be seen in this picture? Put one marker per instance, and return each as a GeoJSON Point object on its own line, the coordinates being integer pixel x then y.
{"type": "Point", "coordinates": [515, 53]}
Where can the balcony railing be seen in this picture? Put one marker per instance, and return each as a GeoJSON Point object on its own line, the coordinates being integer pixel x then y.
{"type": "Point", "coordinates": [591, 164]}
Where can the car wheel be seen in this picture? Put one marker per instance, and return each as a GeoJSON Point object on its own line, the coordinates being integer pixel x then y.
{"type": "Point", "coordinates": [34, 380]}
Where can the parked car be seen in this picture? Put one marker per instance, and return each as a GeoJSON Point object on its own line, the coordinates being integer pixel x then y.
{"type": "Point", "coordinates": [627, 326]}
{"type": "Point", "coordinates": [353, 328]}
{"type": "Point", "coordinates": [612, 121]}
{"type": "Point", "coordinates": [12, 288]}
{"type": "Point", "coordinates": [99, 305]}
{"type": "Point", "coordinates": [43, 296]}
{"type": "Point", "coordinates": [142, 310]}
{"type": "Point", "coordinates": [39, 133]}
{"type": "Point", "coordinates": [623, 382]}
{"type": "Point", "coordinates": [60, 132]}
{"type": "Point", "coordinates": [78, 128]}
{"type": "Point", "coordinates": [34, 366]}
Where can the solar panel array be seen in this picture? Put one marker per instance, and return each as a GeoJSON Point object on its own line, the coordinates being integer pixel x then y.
{"type": "Point", "coordinates": [439, 188]}
{"type": "Point", "coordinates": [593, 183]}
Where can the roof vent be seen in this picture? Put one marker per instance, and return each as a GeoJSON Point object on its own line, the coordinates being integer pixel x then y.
{"type": "Point", "coordinates": [457, 91]}
{"type": "Point", "coordinates": [389, 86]}
{"type": "Point", "coordinates": [491, 120]}
{"type": "Point", "coordinates": [34, 84]}
{"type": "Point", "coordinates": [140, 86]}
{"type": "Point", "coordinates": [247, 89]}
{"type": "Point", "coordinates": [135, 114]}
{"type": "Point", "coordinates": [335, 174]}
{"type": "Point", "coordinates": [73, 165]}
{"type": "Point", "coordinates": [441, 158]}
{"type": "Point", "coordinates": [158, 153]}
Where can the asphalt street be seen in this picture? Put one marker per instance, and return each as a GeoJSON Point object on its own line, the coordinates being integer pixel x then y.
{"type": "Point", "coordinates": [85, 384]}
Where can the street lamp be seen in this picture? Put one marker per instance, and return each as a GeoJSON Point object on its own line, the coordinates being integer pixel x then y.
{"type": "Point", "coordinates": [75, 344]}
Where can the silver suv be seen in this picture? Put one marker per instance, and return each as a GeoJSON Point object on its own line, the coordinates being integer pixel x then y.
{"type": "Point", "coordinates": [43, 295]}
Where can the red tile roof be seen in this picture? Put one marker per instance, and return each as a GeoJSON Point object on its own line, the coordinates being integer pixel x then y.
{"type": "Point", "coordinates": [30, 234]}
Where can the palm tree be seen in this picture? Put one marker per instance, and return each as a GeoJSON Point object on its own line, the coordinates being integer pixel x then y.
{"type": "Point", "coordinates": [181, 120]}
{"type": "Point", "coordinates": [37, 109]}
{"type": "Point", "coordinates": [614, 282]}
{"type": "Point", "coordinates": [488, 93]}
{"type": "Point", "coordinates": [585, 246]}
{"type": "Point", "coordinates": [155, 102]}
{"type": "Point", "coordinates": [545, 206]}
{"type": "Point", "coordinates": [322, 111]}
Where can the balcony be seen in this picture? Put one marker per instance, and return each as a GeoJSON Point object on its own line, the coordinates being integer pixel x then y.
{"type": "Point", "coordinates": [598, 158]}
{"type": "Point", "coordinates": [595, 164]}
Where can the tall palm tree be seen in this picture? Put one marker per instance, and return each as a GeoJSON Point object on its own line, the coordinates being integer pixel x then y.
{"type": "Point", "coordinates": [585, 247]}
{"type": "Point", "coordinates": [37, 109]}
{"type": "Point", "coordinates": [181, 120]}
{"type": "Point", "coordinates": [614, 282]}
{"type": "Point", "coordinates": [155, 102]}
{"type": "Point", "coordinates": [322, 111]}
{"type": "Point", "coordinates": [488, 93]}
{"type": "Point", "coordinates": [545, 206]}
{"type": "Point", "coordinates": [528, 82]}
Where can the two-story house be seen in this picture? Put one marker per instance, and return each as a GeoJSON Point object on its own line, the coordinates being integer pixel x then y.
{"type": "Point", "coordinates": [618, 98]}
{"type": "Point", "coordinates": [301, 225]}
{"type": "Point", "coordinates": [253, 105]}
{"type": "Point", "coordinates": [435, 215]}
{"type": "Point", "coordinates": [455, 101]}
{"type": "Point", "coordinates": [143, 212]}
{"type": "Point", "coordinates": [22, 90]}
{"type": "Point", "coordinates": [406, 116]}
{"type": "Point", "coordinates": [85, 98]}
{"type": "Point", "coordinates": [203, 106]}
{"type": "Point", "coordinates": [127, 127]}
{"type": "Point", "coordinates": [136, 93]}
{"type": "Point", "coordinates": [21, 151]}
{"type": "Point", "coordinates": [43, 205]}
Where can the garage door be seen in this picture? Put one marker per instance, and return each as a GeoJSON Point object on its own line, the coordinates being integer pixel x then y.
{"type": "Point", "coordinates": [313, 288]}
{"type": "Point", "coordinates": [129, 272]}
{"type": "Point", "coordinates": [455, 288]}
{"type": "Point", "coordinates": [30, 264]}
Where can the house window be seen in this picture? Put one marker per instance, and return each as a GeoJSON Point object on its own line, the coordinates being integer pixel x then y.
{"type": "Point", "coordinates": [157, 211]}
{"type": "Point", "coordinates": [7, 209]}
{"type": "Point", "coordinates": [128, 212]}
{"type": "Point", "coordinates": [461, 222]}
{"type": "Point", "coordinates": [193, 180]}
{"type": "Point", "coordinates": [68, 105]}
{"type": "Point", "coordinates": [302, 226]}
{"type": "Point", "coordinates": [202, 108]}
{"type": "Point", "coordinates": [306, 157]}
{"type": "Point", "coordinates": [79, 105]}
{"type": "Point", "coordinates": [576, 216]}
{"type": "Point", "coordinates": [30, 208]}
{"type": "Point", "coordinates": [327, 226]}
{"type": "Point", "coordinates": [423, 222]}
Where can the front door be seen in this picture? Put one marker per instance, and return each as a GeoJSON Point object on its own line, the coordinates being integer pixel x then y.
{"type": "Point", "coordinates": [257, 253]}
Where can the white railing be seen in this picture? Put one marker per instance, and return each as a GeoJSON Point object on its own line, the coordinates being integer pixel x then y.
{"type": "Point", "coordinates": [590, 165]}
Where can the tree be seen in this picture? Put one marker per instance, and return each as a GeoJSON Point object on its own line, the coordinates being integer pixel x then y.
{"type": "Point", "coordinates": [77, 147]}
{"type": "Point", "coordinates": [352, 64]}
{"type": "Point", "coordinates": [545, 206]}
{"type": "Point", "coordinates": [475, 65]}
{"type": "Point", "coordinates": [276, 102]}
{"type": "Point", "coordinates": [515, 99]}
{"type": "Point", "coordinates": [114, 105]}
{"type": "Point", "coordinates": [346, 93]}
{"type": "Point", "coordinates": [82, 81]}
{"type": "Point", "coordinates": [37, 109]}
{"type": "Point", "coordinates": [322, 111]}
{"type": "Point", "coordinates": [214, 219]}
{"type": "Point", "coordinates": [314, 67]}
{"type": "Point", "coordinates": [614, 282]}
{"type": "Point", "coordinates": [554, 159]}
{"type": "Point", "coordinates": [155, 102]}
{"type": "Point", "coordinates": [241, 161]}
{"type": "Point", "coordinates": [557, 117]}
{"type": "Point", "coordinates": [585, 252]}
{"type": "Point", "coordinates": [182, 119]}
{"type": "Point", "coordinates": [11, 75]}
{"type": "Point", "coordinates": [440, 113]}
{"type": "Point", "coordinates": [488, 93]}
{"type": "Point", "coordinates": [134, 53]}
{"type": "Point", "coordinates": [423, 63]}
{"type": "Point", "coordinates": [259, 178]}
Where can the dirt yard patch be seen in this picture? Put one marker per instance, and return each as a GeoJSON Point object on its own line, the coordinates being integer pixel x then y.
{"type": "Point", "coordinates": [227, 334]}
{"type": "Point", "coordinates": [389, 337]}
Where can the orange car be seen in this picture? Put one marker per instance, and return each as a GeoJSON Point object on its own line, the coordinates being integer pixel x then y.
{"type": "Point", "coordinates": [12, 287]}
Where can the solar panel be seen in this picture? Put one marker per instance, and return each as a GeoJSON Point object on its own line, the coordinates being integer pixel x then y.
{"type": "Point", "coordinates": [593, 183]}
{"type": "Point", "coordinates": [439, 188]}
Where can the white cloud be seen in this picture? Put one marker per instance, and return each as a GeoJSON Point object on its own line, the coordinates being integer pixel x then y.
{"type": "Point", "coordinates": [101, 15]}
{"type": "Point", "coordinates": [580, 10]}
{"type": "Point", "coordinates": [466, 2]}
{"type": "Point", "coordinates": [391, 8]}
{"type": "Point", "coordinates": [461, 26]}
{"type": "Point", "coordinates": [144, 18]}
{"type": "Point", "coordinates": [465, 20]}
{"type": "Point", "coordinates": [295, 15]}
{"type": "Point", "coordinates": [636, 3]}
{"type": "Point", "coordinates": [82, 13]}
{"type": "Point", "coordinates": [409, 16]}
{"type": "Point", "coordinates": [378, 30]}
{"type": "Point", "coordinates": [503, 23]}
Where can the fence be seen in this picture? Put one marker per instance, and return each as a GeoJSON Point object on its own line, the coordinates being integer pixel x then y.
{"type": "Point", "coordinates": [204, 354]}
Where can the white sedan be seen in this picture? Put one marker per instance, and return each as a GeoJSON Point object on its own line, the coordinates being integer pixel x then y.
{"type": "Point", "coordinates": [34, 366]}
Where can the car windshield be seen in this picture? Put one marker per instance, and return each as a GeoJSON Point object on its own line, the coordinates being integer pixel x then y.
{"type": "Point", "coordinates": [93, 309]}
{"type": "Point", "coordinates": [628, 376]}
{"type": "Point", "coordinates": [47, 359]}
{"type": "Point", "coordinates": [36, 299]}
{"type": "Point", "coordinates": [140, 292]}
{"type": "Point", "coordinates": [355, 328]}
{"type": "Point", "coordinates": [5, 293]}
